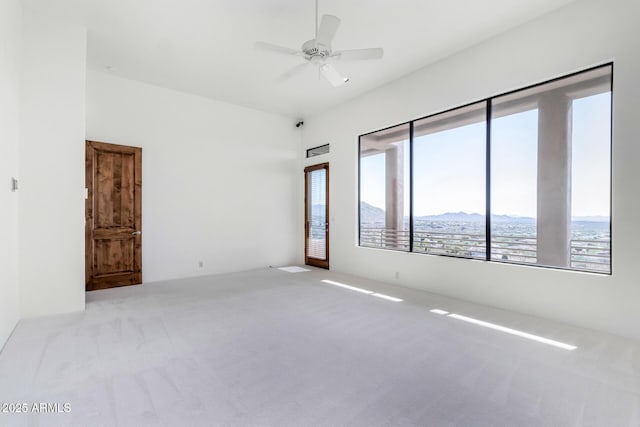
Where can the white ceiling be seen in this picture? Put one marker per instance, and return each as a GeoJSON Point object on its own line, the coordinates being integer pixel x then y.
{"type": "Point", "coordinates": [205, 47]}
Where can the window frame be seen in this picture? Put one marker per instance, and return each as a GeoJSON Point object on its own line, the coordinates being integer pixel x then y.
{"type": "Point", "coordinates": [488, 120]}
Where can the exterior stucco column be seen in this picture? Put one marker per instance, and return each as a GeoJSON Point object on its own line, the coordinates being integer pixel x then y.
{"type": "Point", "coordinates": [394, 192]}
{"type": "Point", "coordinates": [554, 180]}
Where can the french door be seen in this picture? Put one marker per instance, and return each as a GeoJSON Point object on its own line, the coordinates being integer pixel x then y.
{"type": "Point", "coordinates": [316, 214]}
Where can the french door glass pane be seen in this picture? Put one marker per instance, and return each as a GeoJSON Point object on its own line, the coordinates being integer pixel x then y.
{"type": "Point", "coordinates": [317, 245]}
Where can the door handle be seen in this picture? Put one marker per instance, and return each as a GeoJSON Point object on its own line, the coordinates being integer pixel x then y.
{"type": "Point", "coordinates": [136, 233]}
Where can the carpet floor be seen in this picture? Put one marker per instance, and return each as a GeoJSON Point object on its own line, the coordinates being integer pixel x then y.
{"type": "Point", "coordinates": [273, 348]}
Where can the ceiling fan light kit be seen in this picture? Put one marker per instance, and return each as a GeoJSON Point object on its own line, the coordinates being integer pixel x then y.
{"type": "Point", "coordinates": [332, 75]}
{"type": "Point", "coordinates": [318, 52]}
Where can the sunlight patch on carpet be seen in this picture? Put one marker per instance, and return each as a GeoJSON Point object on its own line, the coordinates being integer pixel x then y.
{"type": "Point", "coordinates": [294, 269]}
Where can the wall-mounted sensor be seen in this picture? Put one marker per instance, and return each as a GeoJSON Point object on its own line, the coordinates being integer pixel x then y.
{"type": "Point", "coordinates": [14, 185]}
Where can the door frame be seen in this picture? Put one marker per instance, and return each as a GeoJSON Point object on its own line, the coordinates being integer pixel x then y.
{"type": "Point", "coordinates": [308, 260]}
{"type": "Point", "coordinates": [90, 147]}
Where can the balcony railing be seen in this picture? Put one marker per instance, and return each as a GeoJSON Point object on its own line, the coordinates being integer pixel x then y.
{"type": "Point", "coordinates": [586, 255]}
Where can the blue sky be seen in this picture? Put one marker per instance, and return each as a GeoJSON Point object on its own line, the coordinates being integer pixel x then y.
{"type": "Point", "coordinates": [450, 166]}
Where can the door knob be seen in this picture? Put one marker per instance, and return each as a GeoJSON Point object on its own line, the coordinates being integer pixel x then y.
{"type": "Point", "coordinates": [136, 233]}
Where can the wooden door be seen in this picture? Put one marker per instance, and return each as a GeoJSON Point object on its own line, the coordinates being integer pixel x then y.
{"type": "Point", "coordinates": [316, 213]}
{"type": "Point", "coordinates": [113, 213]}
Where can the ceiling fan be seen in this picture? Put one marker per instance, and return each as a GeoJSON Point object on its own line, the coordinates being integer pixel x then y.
{"type": "Point", "coordinates": [318, 52]}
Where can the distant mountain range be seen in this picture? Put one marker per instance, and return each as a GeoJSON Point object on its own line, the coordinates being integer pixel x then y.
{"type": "Point", "coordinates": [472, 217]}
{"type": "Point", "coordinates": [591, 218]}
{"type": "Point", "coordinates": [372, 214]}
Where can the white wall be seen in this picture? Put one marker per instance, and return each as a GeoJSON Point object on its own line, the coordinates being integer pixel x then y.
{"type": "Point", "coordinates": [580, 35]}
{"type": "Point", "coordinates": [10, 21]}
{"type": "Point", "coordinates": [219, 181]}
{"type": "Point", "coordinates": [52, 166]}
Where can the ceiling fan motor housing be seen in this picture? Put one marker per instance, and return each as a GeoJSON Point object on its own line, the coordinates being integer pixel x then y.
{"type": "Point", "coordinates": [313, 50]}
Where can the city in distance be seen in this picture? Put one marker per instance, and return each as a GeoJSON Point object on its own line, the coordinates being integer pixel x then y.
{"type": "Point", "coordinates": [459, 221]}
{"type": "Point", "coordinates": [464, 234]}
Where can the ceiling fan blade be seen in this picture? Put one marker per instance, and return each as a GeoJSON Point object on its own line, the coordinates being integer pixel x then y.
{"type": "Point", "coordinates": [358, 54]}
{"type": "Point", "coordinates": [294, 71]}
{"type": "Point", "coordinates": [332, 75]}
{"type": "Point", "coordinates": [327, 30]}
{"type": "Point", "coordinates": [277, 49]}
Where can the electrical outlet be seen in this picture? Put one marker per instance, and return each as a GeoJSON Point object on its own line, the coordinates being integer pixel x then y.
{"type": "Point", "coordinates": [397, 275]}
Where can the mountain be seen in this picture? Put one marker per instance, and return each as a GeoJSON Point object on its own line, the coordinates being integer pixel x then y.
{"type": "Point", "coordinates": [509, 218]}
{"type": "Point", "coordinates": [473, 217]}
{"type": "Point", "coordinates": [370, 214]}
{"type": "Point", "coordinates": [590, 218]}
{"type": "Point", "coordinates": [452, 216]}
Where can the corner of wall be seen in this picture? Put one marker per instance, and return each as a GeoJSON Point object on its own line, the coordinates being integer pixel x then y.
{"type": "Point", "coordinates": [51, 162]}
{"type": "Point", "coordinates": [10, 54]}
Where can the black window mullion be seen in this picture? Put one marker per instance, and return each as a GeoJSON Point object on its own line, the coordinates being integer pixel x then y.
{"type": "Point", "coordinates": [359, 191]}
{"type": "Point", "coordinates": [411, 187]}
{"type": "Point", "coordinates": [488, 183]}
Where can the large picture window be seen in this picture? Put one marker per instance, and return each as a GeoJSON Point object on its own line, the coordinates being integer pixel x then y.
{"type": "Point", "coordinates": [520, 178]}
